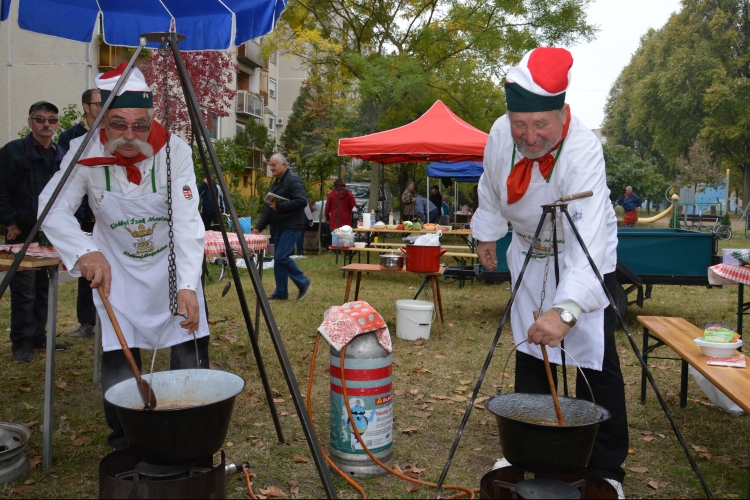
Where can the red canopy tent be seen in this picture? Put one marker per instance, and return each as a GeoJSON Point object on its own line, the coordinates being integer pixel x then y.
{"type": "Point", "coordinates": [437, 135]}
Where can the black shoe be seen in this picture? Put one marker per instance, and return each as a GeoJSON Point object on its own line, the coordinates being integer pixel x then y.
{"type": "Point", "coordinates": [23, 355]}
{"type": "Point", "coordinates": [82, 332]}
{"type": "Point", "coordinates": [43, 346]}
{"type": "Point", "coordinates": [303, 291]}
{"type": "Point", "coordinates": [274, 297]}
{"type": "Point", "coordinates": [121, 445]}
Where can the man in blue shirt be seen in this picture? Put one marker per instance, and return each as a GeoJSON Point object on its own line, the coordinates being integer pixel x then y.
{"type": "Point", "coordinates": [426, 210]}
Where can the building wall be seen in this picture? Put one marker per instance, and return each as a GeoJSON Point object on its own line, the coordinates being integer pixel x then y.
{"type": "Point", "coordinates": [37, 67]}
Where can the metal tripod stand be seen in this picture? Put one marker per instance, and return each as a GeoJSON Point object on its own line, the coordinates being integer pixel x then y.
{"type": "Point", "coordinates": [551, 211]}
{"type": "Point", "coordinates": [208, 155]}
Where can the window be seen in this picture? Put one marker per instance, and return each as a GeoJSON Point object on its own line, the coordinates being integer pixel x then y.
{"type": "Point", "coordinates": [264, 81]}
{"type": "Point", "coordinates": [214, 126]}
{"type": "Point", "coordinates": [244, 181]}
{"type": "Point", "coordinates": [272, 88]}
{"type": "Point", "coordinates": [243, 81]}
{"type": "Point", "coordinates": [271, 123]}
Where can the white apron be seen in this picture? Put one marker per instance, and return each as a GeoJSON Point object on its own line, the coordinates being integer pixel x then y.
{"type": "Point", "coordinates": [133, 235]}
{"type": "Point", "coordinates": [585, 341]}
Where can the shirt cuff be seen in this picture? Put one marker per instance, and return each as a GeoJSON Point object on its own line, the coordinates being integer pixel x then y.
{"type": "Point", "coordinates": [571, 306]}
{"type": "Point", "coordinates": [84, 251]}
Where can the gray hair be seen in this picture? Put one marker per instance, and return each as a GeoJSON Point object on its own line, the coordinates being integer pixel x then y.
{"type": "Point", "coordinates": [280, 156]}
{"type": "Point", "coordinates": [629, 187]}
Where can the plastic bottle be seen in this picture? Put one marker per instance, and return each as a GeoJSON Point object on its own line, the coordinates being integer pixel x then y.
{"type": "Point", "coordinates": [390, 218]}
{"type": "Point", "coordinates": [372, 217]}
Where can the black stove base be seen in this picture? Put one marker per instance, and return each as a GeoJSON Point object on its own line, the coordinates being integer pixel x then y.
{"type": "Point", "coordinates": [122, 474]}
{"type": "Point", "coordinates": [503, 482]}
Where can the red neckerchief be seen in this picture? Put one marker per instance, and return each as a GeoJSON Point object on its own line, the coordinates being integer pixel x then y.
{"type": "Point", "coordinates": [157, 138]}
{"type": "Point", "coordinates": [520, 175]}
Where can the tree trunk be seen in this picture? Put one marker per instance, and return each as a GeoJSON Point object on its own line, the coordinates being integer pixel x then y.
{"type": "Point", "coordinates": [745, 185]}
{"type": "Point", "coordinates": [372, 204]}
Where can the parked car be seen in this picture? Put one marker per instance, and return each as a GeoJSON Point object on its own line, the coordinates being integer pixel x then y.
{"type": "Point", "coordinates": [361, 192]}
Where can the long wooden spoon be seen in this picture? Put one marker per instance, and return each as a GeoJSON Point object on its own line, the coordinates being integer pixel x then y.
{"type": "Point", "coordinates": [147, 394]}
{"type": "Point", "coordinates": [551, 381]}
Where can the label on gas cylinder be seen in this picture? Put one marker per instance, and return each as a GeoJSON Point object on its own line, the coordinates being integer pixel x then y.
{"type": "Point", "coordinates": [374, 419]}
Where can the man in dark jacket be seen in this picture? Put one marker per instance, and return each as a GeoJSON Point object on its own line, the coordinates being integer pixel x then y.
{"type": "Point", "coordinates": [91, 100]}
{"type": "Point", "coordinates": [436, 200]}
{"type": "Point", "coordinates": [288, 218]}
{"type": "Point", "coordinates": [26, 165]}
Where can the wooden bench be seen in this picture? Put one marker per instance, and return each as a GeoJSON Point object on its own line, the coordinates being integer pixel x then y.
{"type": "Point", "coordinates": [399, 245]}
{"type": "Point", "coordinates": [678, 334]}
{"type": "Point", "coordinates": [693, 220]}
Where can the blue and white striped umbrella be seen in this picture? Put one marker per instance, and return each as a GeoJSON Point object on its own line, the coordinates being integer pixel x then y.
{"type": "Point", "coordinates": [207, 24]}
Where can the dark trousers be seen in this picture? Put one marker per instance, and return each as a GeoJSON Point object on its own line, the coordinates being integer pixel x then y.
{"type": "Point", "coordinates": [115, 369]}
{"type": "Point", "coordinates": [210, 220]}
{"type": "Point", "coordinates": [29, 291]}
{"type": "Point", "coordinates": [300, 243]}
{"type": "Point", "coordinates": [608, 386]}
{"type": "Point", "coordinates": [85, 308]}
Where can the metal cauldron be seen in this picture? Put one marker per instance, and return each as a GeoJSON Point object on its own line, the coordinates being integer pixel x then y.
{"type": "Point", "coordinates": [192, 417]}
{"type": "Point", "coordinates": [391, 261]}
{"type": "Point", "coordinates": [531, 438]}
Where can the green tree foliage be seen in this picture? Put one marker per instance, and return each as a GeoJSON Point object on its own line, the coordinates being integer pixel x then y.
{"type": "Point", "coordinates": [689, 79]}
{"type": "Point", "coordinates": [697, 167]}
{"type": "Point", "coordinates": [625, 168]}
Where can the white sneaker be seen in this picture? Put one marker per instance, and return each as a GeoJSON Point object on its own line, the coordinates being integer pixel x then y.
{"type": "Point", "coordinates": [618, 487]}
{"type": "Point", "coordinates": [501, 462]}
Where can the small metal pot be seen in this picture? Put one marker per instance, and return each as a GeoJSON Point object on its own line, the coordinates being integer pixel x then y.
{"type": "Point", "coordinates": [391, 261]}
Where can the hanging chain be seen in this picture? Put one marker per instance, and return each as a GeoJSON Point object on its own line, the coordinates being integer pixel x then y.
{"type": "Point", "coordinates": [173, 306]}
{"type": "Point", "coordinates": [546, 266]}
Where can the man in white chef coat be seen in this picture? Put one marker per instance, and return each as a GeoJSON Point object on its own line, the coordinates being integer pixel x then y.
{"type": "Point", "coordinates": [123, 170]}
{"type": "Point", "coordinates": [535, 154]}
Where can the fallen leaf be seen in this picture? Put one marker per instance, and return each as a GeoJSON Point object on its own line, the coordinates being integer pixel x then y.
{"type": "Point", "coordinates": [24, 490]}
{"type": "Point", "coordinates": [278, 400]}
{"type": "Point", "coordinates": [661, 435]}
{"type": "Point", "coordinates": [273, 491]}
{"type": "Point", "coordinates": [28, 406]}
{"type": "Point", "coordinates": [30, 481]}
{"type": "Point", "coordinates": [451, 324]}
{"type": "Point", "coordinates": [293, 487]}
{"type": "Point", "coordinates": [653, 484]}
{"type": "Point", "coordinates": [31, 424]}
{"type": "Point", "coordinates": [419, 342]}
{"type": "Point", "coordinates": [411, 487]}
{"type": "Point", "coordinates": [399, 392]}
{"type": "Point", "coordinates": [699, 448]}
{"type": "Point", "coordinates": [261, 497]}
{"type": "Point", "coordinates": [476, 449]}
{"type": "Point", "coordinates": [410, 430]}
{"type": "Point", "coordinates": [631, 451]}
{"type": "Point", "coordinates": [648, 439]}
{"type": "Point", "coordinates": [232, 339]}
{"type": "Point", "coordinates": [299, 459]}
{"type": "Point", "coordinates": [80, 440]}
{"type": "Point", "coordinates": [258, 442]}
{"type": "Point", "coordinates": [33, 462]}
{"type": "Point", "coordinates": [706, 455]}
{"type": "Point", "coordinates": [439, 356]}
{"type": "Point", "coordinates": [646, 433]}
{"type": "Point", "coordinates": [260, 424]}
{"type": "Point", "coordinates": [414, 391]}
{"type": "Point", "coordinates": [214, 365]}
{"type": "Point", "coordinates": [24, 388]}
{"type": "Point", "coordinates": [459, 399]}
{"type": "Point", "coordinates": [461, 388]}
{"type": "Point", "coordinates": [639, 470]}
{"type": "Point", "coordinates": [464, 382]}
{"type": "Point", "coordinates": [397, 362]}
{"type": "Point", "coordinates": [422, 370]}
{"type": "Point", "coordinates": [421, 414]}
{"type": "Point", "coordinates": [506, 375]}
{"type": "Point", "coordinates": [230, 444]}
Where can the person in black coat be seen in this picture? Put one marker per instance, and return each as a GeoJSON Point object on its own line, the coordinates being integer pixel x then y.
{"type": "Point", "coordinates": [288, 218]}
{"type": "Point", "coordinates": [437, 199]}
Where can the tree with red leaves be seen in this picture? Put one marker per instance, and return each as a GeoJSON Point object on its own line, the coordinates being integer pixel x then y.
{"type": "Point", "coordinates": [211, 73]}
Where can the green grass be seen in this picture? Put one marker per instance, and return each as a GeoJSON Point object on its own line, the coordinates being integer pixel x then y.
{"type": "Point", "coordinates": [472, 315]}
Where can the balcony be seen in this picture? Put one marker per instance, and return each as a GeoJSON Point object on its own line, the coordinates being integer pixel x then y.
{"type": "Point", "coordinates": [249, 104]}
{"type": "Point", "coordinates": [249, 52]}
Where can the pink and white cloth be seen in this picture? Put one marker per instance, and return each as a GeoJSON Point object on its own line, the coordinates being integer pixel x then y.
{"type": "Point", "coordinates": [342, 323]}
{"type": "Point", "coordinates": [34, 250]}
{"type": "Point", "coordinates": [727, 274]}
{"type": "Point", "coordinates": [215, 243]}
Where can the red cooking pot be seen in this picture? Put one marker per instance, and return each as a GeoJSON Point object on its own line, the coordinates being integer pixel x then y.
{"type": "Point", "coordinates": [422, 259]}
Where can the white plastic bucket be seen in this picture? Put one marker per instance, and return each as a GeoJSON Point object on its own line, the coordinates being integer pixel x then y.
{"type": "Point", "coordinates": [414, 319]}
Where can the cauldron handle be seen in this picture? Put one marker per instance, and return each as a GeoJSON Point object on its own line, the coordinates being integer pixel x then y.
{"type": "Point", "coordinates": [500, 389]}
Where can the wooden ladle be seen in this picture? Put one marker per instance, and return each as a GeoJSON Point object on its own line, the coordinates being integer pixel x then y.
{"type": "Point", "coordinates": [551, 381]}
{"type": "Point", "coordinates": [147, 394]}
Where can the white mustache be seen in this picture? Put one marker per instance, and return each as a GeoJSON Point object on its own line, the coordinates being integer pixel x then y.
{"type": "Point", "coordinates": [142, 146]}
{"type": "Point", "coordinates": [521, 145]}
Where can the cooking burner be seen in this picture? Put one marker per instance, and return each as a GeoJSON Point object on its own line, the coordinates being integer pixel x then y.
{"type": "Point", "coordinates": [123, 474]}
{"type": "Point", "coordinates": [511, 482]}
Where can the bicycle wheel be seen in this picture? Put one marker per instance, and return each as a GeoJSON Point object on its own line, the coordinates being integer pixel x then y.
{"type": "Point", "coordinates": [723, 232]}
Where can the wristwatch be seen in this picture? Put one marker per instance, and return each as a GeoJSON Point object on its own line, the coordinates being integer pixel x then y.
{"type": "Point", "coordinates": [566, 316]}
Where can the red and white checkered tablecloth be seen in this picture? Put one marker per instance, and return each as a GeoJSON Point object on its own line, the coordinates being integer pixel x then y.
{"type": "Point", "coordinates": [215, 243]}
{"type": "Point", "coordinates": [726, 274]}
{"type": "Point", "coordinates": [34, 250]}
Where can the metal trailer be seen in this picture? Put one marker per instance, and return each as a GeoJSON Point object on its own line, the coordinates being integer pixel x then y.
{"type": "Point", "coordinates": [645, 257]}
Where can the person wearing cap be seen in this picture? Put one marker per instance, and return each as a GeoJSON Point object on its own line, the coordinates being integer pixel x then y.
{"type": "Point", "coordinates": [437, 200]}
{"type": "Point", "coordinates": [123, 170]}
{"type": "Point", "coordinates": [535, 154]}
{"type": "Point", "coordinates": [91, 100]}
{"type": "Point", "coordinates": [26, 166]}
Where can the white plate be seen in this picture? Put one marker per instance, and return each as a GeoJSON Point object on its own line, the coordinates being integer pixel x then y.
{"type": "Point", "coordinates": [717, 349]}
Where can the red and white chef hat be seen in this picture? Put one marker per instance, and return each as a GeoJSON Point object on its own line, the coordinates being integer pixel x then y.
{"type": "Point", "coordinates": [135, 92]}
{"type": "Point", "coordinates": [539, 81]}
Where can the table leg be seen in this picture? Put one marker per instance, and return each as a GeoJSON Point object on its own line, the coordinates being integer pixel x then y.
{"type": "Point", "coordinates": [740, 306]}
{"type": "Point", "coordinates": [356, 288]}
{"type": "Point", "coordinates": [684, 384]}
{"type": "Point", "coordinates": [349, 286]}
{"type": "Point", "coordinates": [49, 374]}
{"type": "Point", "coordinates": [97, 348]}
{"type": "Point", "coordinates": [260, 254]}
{"type": "Point", "coordinates": [438, 311]}
{"type": "Point", "coordinates": [439, 297]}
{"type": "Point", "coordinates": [644, 353]}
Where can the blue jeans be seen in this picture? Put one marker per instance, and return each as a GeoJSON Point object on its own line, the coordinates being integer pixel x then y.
{"type": "Point", "coordinates": [283, 266]}
{"type": "Point", "coordinates": [433, 215]}
{"type": "Point", "coordinates": [300, 244]}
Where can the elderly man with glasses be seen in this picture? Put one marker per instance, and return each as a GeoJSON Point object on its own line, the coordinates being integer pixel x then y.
{"type": "Point", "coordinates": [91, 100]}
{"type": "Point", "coordinates": [123, 170]}
{"type": "Point", "coordinates": [26, 166]}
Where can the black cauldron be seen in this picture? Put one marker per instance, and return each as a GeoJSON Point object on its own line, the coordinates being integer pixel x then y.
{"type": "Point", "coordinates": [191, 419]}
{"type": "Point", "coordinates": [532, 439]}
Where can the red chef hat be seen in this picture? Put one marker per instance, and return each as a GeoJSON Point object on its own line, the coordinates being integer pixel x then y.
{"type": "Point", "coordinates": [539, 81]}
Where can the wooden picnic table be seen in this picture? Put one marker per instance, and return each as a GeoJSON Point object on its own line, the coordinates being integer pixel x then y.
{"type": "Point", "coordinates": [358, 269]}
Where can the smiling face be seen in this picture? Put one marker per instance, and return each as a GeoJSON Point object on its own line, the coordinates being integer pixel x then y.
{"type": "Point", "coordinates": [536, 133]}
{"type": "Point", "coordinates": [129, 142]}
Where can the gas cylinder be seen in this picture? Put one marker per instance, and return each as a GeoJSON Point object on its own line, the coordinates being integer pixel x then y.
{"type": "Point", "coordinates": [368, 386]}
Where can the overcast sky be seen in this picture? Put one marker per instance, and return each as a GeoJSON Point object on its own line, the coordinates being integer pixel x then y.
{"type": "Point", "coordinates": [597, 65]}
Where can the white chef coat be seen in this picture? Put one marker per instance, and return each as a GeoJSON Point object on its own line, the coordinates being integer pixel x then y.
{"type": "Point", "coordinates": [579, 167]}
{"type": "Point", "coordinates": [70, 243]}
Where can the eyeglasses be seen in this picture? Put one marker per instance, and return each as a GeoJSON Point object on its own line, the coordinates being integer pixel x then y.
{"type": "Point", "coordinates": [98, 104]}
{"type": "Point", "coordinates": [40, 120]}
{"type": "Point", "coordinates": [138, 128]}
